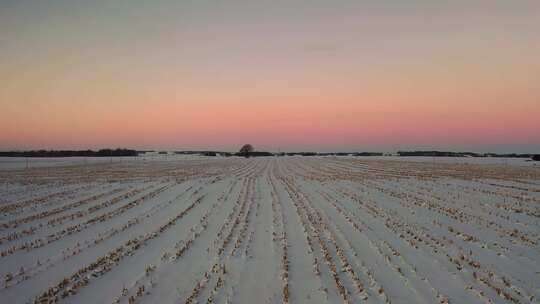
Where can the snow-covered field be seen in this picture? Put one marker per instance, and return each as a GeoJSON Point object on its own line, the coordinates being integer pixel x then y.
{"type": "Point", "coordinates": [269, 230]}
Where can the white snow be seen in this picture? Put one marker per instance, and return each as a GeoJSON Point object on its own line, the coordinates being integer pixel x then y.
{"type": "Point", "coordinates": [184, 229]}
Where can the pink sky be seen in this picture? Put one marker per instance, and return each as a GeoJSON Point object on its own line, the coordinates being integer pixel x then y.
{"type": "Point", "coordinates": [308, 76]}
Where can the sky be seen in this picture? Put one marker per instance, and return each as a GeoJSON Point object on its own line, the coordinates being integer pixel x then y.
{"type": "Point", "coordinates": [282, 75]}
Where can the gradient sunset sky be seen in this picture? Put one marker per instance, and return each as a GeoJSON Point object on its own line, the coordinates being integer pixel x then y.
{"type": "Point", "coordinates": [289, 75]}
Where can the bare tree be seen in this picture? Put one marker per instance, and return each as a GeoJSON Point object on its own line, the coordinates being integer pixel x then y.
{"type": "Point", "coordinates": [246, 150]}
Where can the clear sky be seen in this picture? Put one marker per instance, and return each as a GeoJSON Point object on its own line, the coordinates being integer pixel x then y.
{"type": "Point", "coordinates": [293, 75]}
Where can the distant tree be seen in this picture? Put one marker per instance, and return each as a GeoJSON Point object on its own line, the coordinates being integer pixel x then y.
{"type": "Point", "coordinates": [246, 150]}
{"type": "Point", "coordinates": [536, 157]}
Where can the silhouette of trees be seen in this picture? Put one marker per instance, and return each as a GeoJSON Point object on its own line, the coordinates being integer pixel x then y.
{"type": "Point", "coordinates": [70, 153]}
{"type": "Point", "coordinates": [246, 150]}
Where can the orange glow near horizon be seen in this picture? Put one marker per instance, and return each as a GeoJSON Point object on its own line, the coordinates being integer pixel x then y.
{"type": "Point", "coordinates": [308, 77]}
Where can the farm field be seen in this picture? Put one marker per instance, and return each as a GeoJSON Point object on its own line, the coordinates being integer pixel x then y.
{"type": "Point", "coordinates": [270, 230]}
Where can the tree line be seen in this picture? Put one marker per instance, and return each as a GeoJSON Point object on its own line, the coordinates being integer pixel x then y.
{"type": "Point", "coordinates": [464, 154]}
{"type": "Point", "coordinates": [249, 151]}
{"type": "Point", "coordinates": [71, 153]}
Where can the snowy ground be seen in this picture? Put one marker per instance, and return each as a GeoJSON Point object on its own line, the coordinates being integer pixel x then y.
{"type": "Point", "coordinates": [269, 230]}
